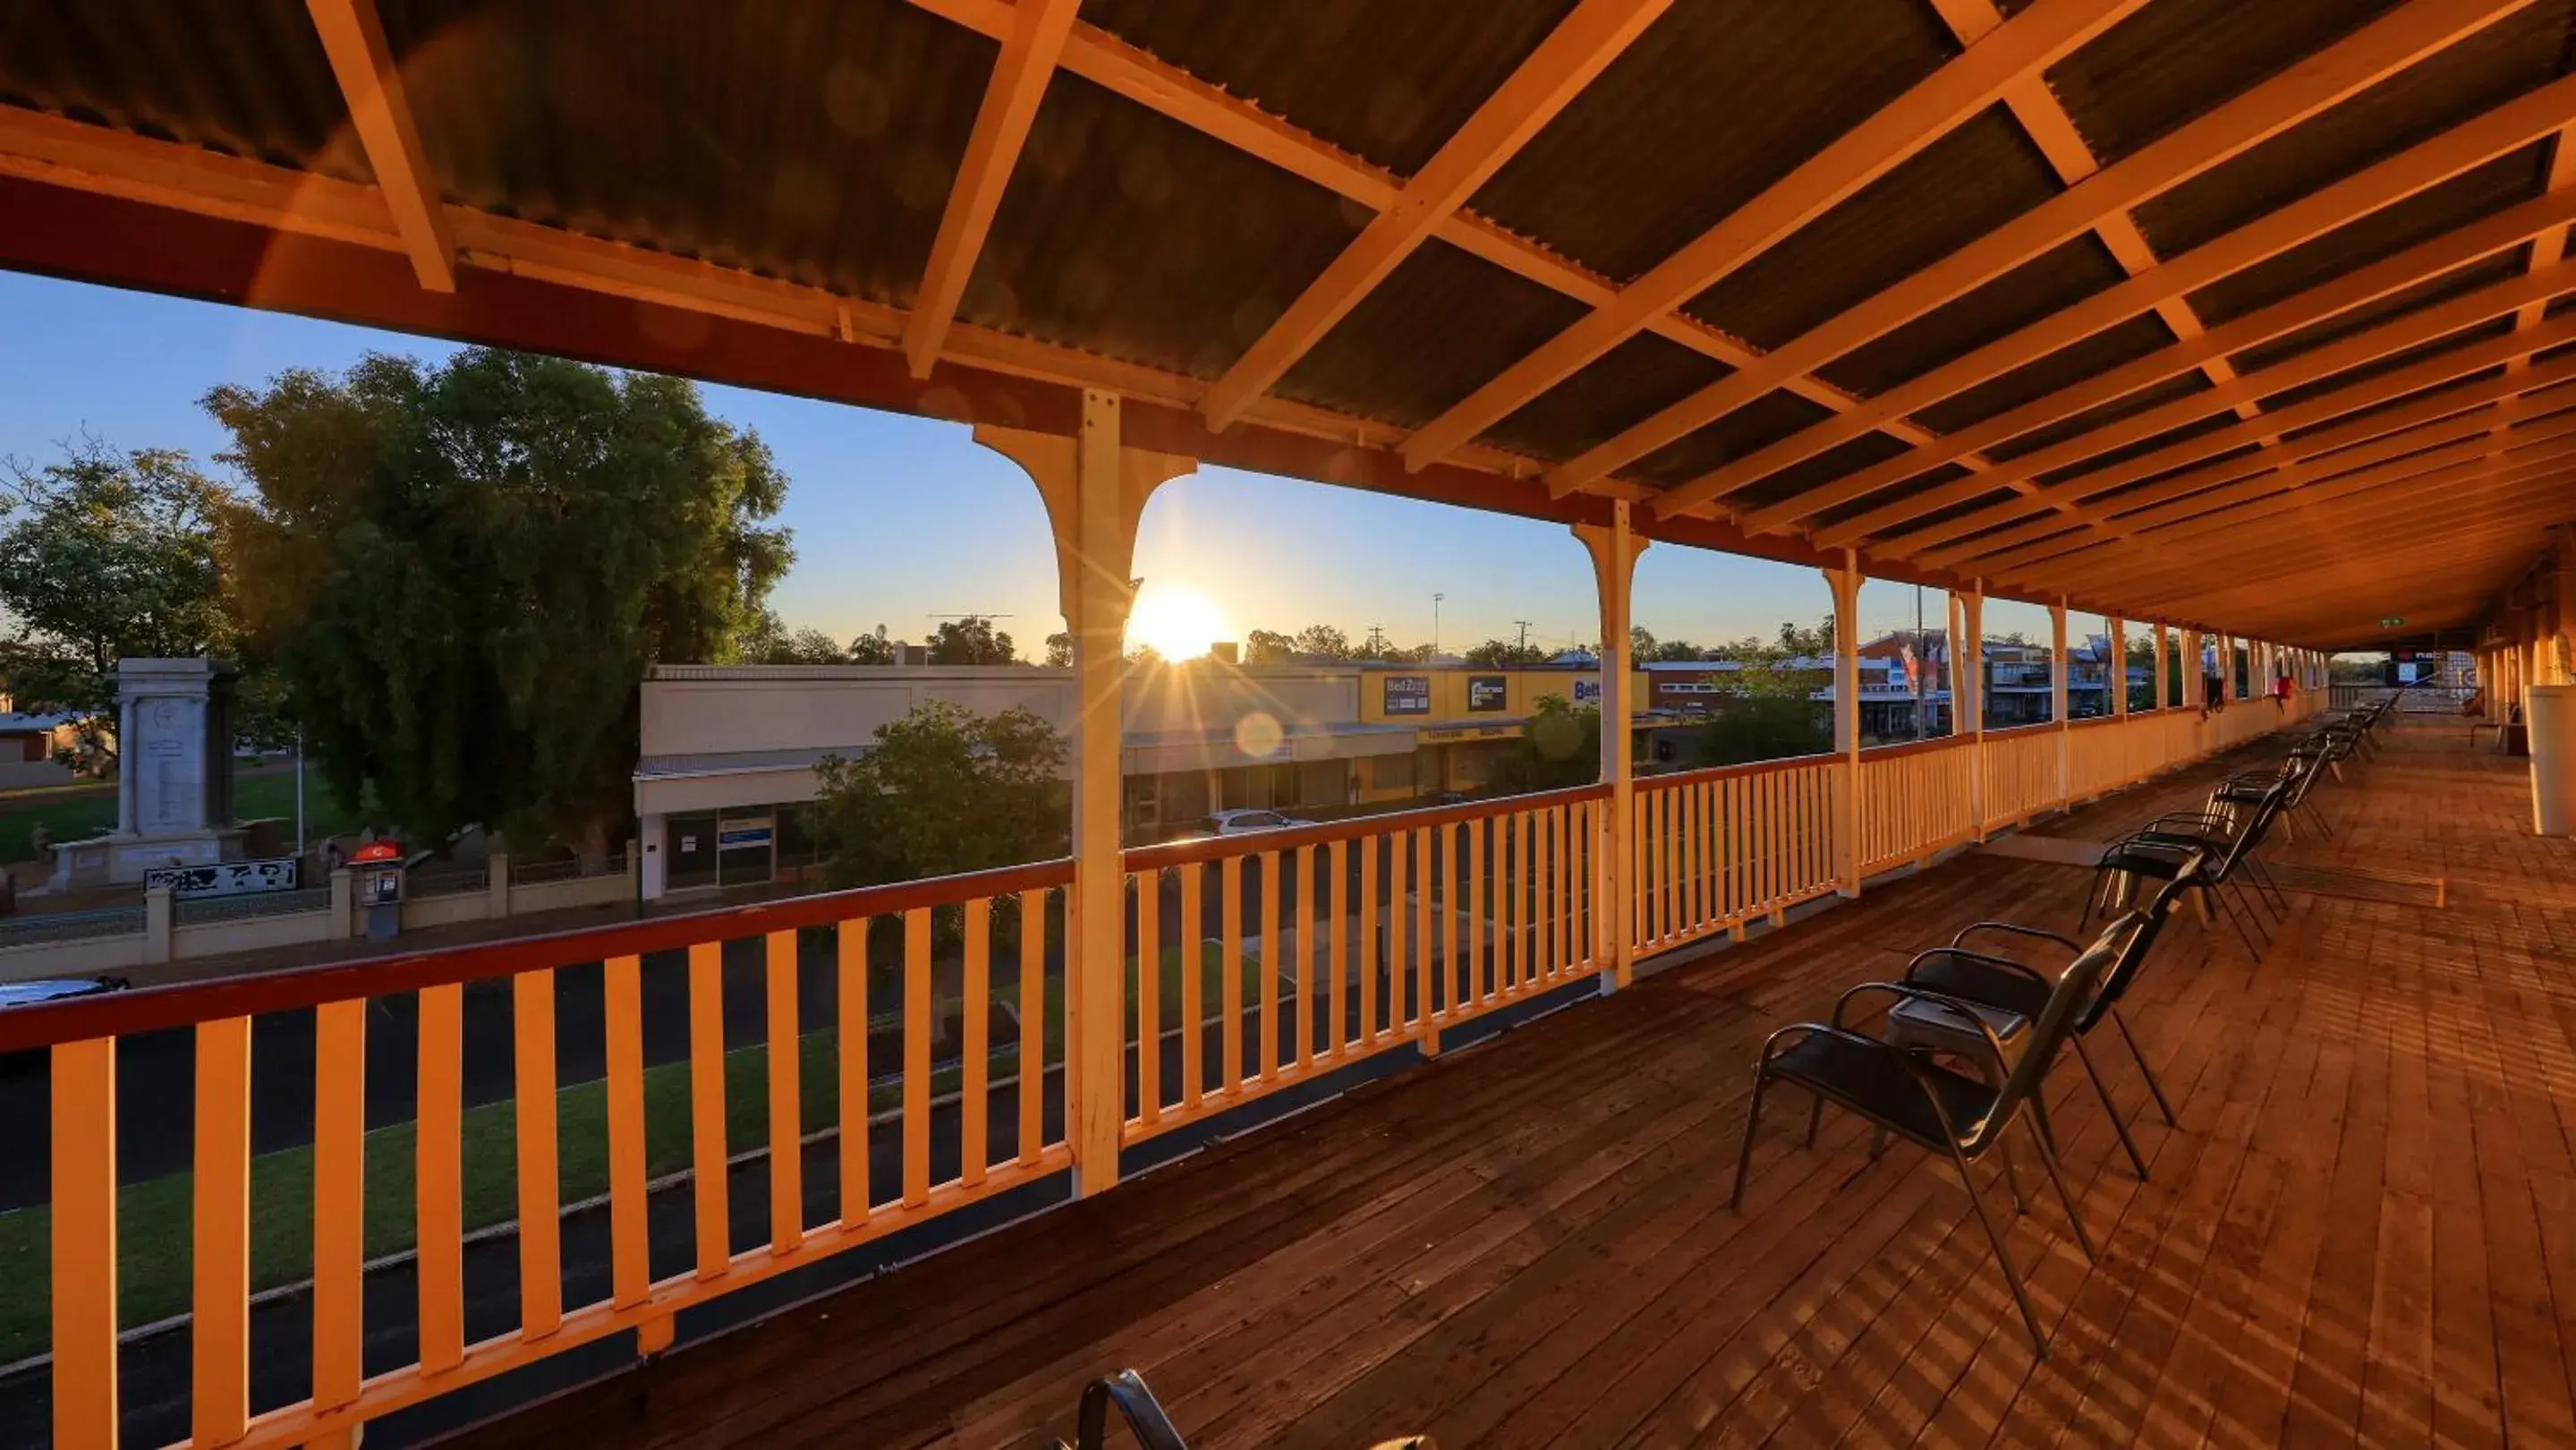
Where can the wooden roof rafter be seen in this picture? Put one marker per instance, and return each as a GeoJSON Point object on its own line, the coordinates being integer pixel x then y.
{"type": "Point", "coordinates": [353, 36]}
{"type": "Point", "coordinates": [1547, 80]}
{"type": "Point", "coordinates": [2040, 35]}
{"type": "Point", "coordinates": [2408, 173]}
{"type": "Point", "coordinates": [2370, 54]}
{"type": "Point", "coordinates": [1002, 121]}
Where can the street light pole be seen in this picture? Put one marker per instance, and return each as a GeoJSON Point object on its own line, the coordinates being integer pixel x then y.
{"type": "Point", "coordinates": [1435, 624]}
{"type": "Point", "coordinates": [299, 791]}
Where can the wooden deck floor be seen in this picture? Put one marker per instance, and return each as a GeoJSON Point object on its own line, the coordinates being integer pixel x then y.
{"type": "Point", "coordinates": [2364, 1232]}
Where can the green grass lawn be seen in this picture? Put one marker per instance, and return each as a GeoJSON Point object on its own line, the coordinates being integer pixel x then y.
{"type": "Point", "coordinates": [154, 1217]}
{"type": "Point", "coordinates": [70, 813]}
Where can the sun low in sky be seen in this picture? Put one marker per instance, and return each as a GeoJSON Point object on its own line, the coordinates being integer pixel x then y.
{"type": "Point", "coordinates": [1178, 622]}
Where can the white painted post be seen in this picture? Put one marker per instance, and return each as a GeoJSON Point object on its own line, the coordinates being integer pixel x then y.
{"type": "Point", "coordinates": [1614, 548]}
{"type": "Point", "coordinates": [1845, 582]}
{"type": "Point", "coordinates": [1968, 692]}
{"type": "Point", "coordinates": [157, 924]}
{"type": "Point", "coordinates": [2062, 666]}
{"type": "Point", "coordinates": [1094, 490]}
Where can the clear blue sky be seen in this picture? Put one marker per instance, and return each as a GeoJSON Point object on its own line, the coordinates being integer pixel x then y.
{"type": "Point", "coordinates": [899, 519]}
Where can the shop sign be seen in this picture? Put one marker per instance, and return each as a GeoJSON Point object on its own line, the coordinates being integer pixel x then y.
{"type": "Point", "coordinates": [1407, 694]}
{"type": "Point", "coordinates": [1488, 694]}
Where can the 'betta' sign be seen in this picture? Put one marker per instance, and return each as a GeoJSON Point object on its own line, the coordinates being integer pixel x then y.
{"type": "Point", "coordinates": [1408, 694]}
{"type": "Point", "coordinates": [229, 878]}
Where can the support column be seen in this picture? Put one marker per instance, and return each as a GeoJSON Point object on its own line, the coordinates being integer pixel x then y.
{"type": "Point", "coordinates": [2116, 676]}
{"type": "Point", "coordinates": [2062, 665]}
{"type": "Point", "coordinates": [2164, 663]}
{"type": "Point", "coordinates": [1968, 691]}
{"type": "Point", "coordinates": [1845, 582]}
{"type": "Point", "coordinates": [1094, 490]}
{"type": "Point", "coordinates": [1614, 548]}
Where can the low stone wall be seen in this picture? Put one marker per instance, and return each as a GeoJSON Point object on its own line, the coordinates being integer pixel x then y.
{"type": "Point", "coordinates": [165, 939]}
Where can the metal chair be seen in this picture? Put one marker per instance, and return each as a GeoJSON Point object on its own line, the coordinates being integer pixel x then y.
{"type": "Point", "coordinates": [2009, 995]}
{"type": "Point", "coordinates": [2205, 851]}
{"type": "Point", "coordinates": [1942, 1111]}
{"type": "Point", "coordinates": [1126, 1392]}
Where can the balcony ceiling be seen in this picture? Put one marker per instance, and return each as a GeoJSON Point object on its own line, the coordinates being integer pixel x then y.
{"type": "Point", "coordinates": [2246, 316]}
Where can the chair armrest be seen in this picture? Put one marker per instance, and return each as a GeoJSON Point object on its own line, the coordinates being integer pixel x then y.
{"type": "Point", "coordinates": [1971, 976]}
{"type": "Point", "coordinates": [1960, 1005]}
{"type": "Point", "coordinates": [2017, 929]}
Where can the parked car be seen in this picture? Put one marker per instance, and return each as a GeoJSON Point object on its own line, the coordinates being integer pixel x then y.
{"type": "Point", "coordinates": [1244, 822]}
{"type": "Point", "coordinates": [55, 989]}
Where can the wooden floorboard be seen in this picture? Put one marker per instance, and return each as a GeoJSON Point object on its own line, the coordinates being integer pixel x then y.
{"type": "Point", "coordinates": [2362, 1233]}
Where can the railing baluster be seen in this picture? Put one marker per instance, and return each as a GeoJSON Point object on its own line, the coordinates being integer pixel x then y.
{"type": "Point", "coordinates": [1425, 878]}
{"type": "Point", "coordinates": [786, 1097]}
{"type": "Point", "coordinates": [851, 1031]}
{"type": "Point", "coordinates": [1230, 963]}
{"type": "Point", "coordinates": [1191, 948]}
{"type": "Point", "coordinates": [220, 1323]}
{"type": "Point", "coordinates": [1480, 947]}
{"type": "Point", "coordinates": [1148, 989]}
{"type": "Point", "coordinates": [440, 1178]}
{"type": "Point", "coordinates": [974, 1096]}
{"type": "Point", "coordinates": [631, 1270]}
{"type": "Point", "coordinates": [1335, 1015]}
{"type": "Point", "coordinates": [84, 1242]}
{"type": "Point", "coordinates": [1032, 1052]}
{"type": "Point", "coordinates": [1309, 911]}
{"type": "Point", "coordinates": [339, 1203]}
{"type": "Point", "coordinates": [1569, 908]}
{"type": "Point", "coordinates": [707, 1108]}
{"type": "Point", "coordinates": [1270, 941]}
{"type": "Point", "coordinates": [918, 1010]}
{"type": "Point", "coordinates": [1369, 847]}
{"type": "Point", "coordinates": [532, 1061]}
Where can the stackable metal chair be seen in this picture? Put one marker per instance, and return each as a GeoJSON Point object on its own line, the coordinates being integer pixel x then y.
{"type": "Point", "coordinates": [2009, 995]}
{"type": "Point", "coordinates": [1905, 1094]}
{"type": "Point", "coordinates": [2206, 851]}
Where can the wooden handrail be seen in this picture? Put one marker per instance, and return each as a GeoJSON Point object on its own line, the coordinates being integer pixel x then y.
{"type": "Point", "coordinates": [1326, 833]}
{"type": "Point", "coordinates": [1904, 748]}
{"type": "Point", "coordinates": [1680, 778]}
{"type": "Point", "coordinates": [183, 1004]}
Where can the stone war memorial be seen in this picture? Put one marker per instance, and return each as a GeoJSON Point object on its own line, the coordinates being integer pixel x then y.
{"type": "Point", "coordinates": [174, 785]}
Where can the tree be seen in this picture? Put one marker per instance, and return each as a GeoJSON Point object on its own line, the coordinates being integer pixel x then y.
{"type": "Point", "coordinates": [944, 790]}
{"type": "Point", "coordinates": [872, 648]}
{"type": "Point", "coordinates": [971, 640]}
{"type": "Point", "coordinates": [1765, 726]}
{"type": "Point", "coordinates": [1264, 647]}
{"type": "Point", "coordinates": [105, 555]}
{"type": "Point", "coordinates": [1059, 650]}
{"type": "Point", "coordinates": [1818, 640]}
{"type": "Point", "coordinates": [1495, 654]}
{"type": "Point", "coordinates": [1322, 641]}
{"type": "Point", "coordinates": [1675, 650]}
{"type": "Point", "coordinates": [1559, 747]}
{"type": "Point", "coordinates": [769, 642]}
{"type": "Point", "coordinates": [462, 573]}
{"type": "Point", "coordinates": [1641, 643]}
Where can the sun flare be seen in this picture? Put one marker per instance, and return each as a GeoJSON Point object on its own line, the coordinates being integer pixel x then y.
{"type": "Point", "coordinates": [1178, 623]}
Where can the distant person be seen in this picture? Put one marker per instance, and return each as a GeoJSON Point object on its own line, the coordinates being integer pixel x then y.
{"type": "Point", "coordinates": [40, 840]}
{"type": "Point", "coordinates": [2281, 693]}
{"type": "Point", "coordinates": [333, 858]}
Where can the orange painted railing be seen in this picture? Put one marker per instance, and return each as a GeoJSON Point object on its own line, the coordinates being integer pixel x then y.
{"type": "Point", "coordinates": [1915, 800]}
{"type": "Point", "coordinates": [1252, 963]}
{"type": "Point", "coordinates": [1717, 849]}
{"type": "Point", "coordinates": [961, 913]}
{"type": "Point", "coordinates": [2017, 774]}
{"type": "Point", "coordinates": [1267, 959]}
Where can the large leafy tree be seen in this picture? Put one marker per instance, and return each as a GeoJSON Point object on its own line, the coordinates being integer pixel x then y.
{"type": "Point", "coordinates": [1559, 747]}
{"type": "Point", "coordinates": [971, 640]}
{"type": "Point", "coordinates": [1324, 642]}
{"type": "Point", "coordinates": [105, 555]}
{"type": "Point", "coordinates": [944, 790]}
{"type": "Point", "coordinates": [461, 573]}
{"type": "Point", "coordinates": [1495, 654]}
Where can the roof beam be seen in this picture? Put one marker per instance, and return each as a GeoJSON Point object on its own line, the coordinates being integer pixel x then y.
{"type": "Point", "coordinates": [2353, 289]}
{"type": "Point", "coordinates": [1121, 69]}
{"type": "Point", "coordinates": [1576, 52]}
{"type": "Point", "coordinates": [2352, 64]}
{"type": "Point", "coordinates": [1010, 105]}
{"type": "Point", "coordinates": [2409, 330]}
{"type": "Point", "coordinates": [354, 40]}
{"type": "Point", "coordinates": [2467, 449]}
{"type": "Point", "coordinates": [2332, 452]}
{"type": "Point", "coordinates": [2400, 176]}
{"type": "Point", "coordinates": [2029, 42]}
{"type": "Point", "coordinates": [2430, 372]}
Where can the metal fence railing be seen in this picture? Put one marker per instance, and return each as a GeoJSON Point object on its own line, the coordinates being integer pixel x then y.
{"type": "Point", "coordinates": [60, 926]}
{"type": "Point", "coordinates": [254, 904]}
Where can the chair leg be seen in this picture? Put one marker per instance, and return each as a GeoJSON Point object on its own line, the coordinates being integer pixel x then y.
{"type": "Point", "coordinates": [2003, 1257]}
{"type": "Point", "coordinates": [2012, 1176]}
{"type": "Point", "coordinates": [2074, 1219]}
{"type": "Point", "coordinates": [1744, 1154]}
{"type": "Point", "coordinates": [1815, 1118]}
{"type": "Point", "coordinates": [2119, 1124]}
{"type": "Point", "coordinates": [2236, 919]}
{"type": "Point", "coordinates": [2153, 1087]}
